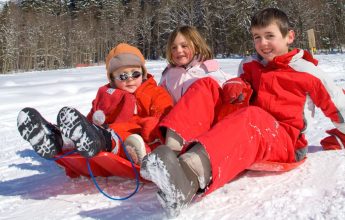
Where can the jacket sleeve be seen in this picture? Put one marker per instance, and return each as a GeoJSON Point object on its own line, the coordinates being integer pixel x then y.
{"type": "Point", "coordinates": [161, 103]}
{"type": "Point", "coordinates": [331, 99]}
{"type": "Point", "coordinates": [324, 93]}
{"type": "Point", "coordinates": [149, 129]}
{"type": "Point", "coordinates": [162, 81]}
{"type": "Point", "coordinates": [158, 103]}
{"type": "Point", "coordinates": [117, 105]}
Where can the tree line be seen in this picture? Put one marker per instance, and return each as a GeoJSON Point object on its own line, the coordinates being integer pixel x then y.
{"type": "Point", "coordinates": [51, 34]}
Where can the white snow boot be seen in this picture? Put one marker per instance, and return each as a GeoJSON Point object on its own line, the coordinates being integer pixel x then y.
{"type": "Point", "coordinates": [44, 137]}
{"type": "Point", "coordinates": [135, 147]}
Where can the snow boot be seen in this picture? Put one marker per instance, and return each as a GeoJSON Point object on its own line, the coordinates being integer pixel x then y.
{"type": "Point", "coordinates": [88, 138]}
{"type": "Point", "coordinates": [135, 147]}
{"type": "Point", "coordinates": [174, 141]}
{"type": "Point", "coordinates": [176, 189]}
{"type": "Point", "coordinates": [44, 137]}
{"type": "Point", "coordinates": [197, 162]}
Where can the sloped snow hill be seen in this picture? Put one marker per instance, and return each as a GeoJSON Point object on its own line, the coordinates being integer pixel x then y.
{"type": "Point", "coordinates": [33, 188]}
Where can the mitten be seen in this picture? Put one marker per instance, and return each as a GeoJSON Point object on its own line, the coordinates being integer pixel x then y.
{"type": "Point", "coordinates": [335, 141]}
{"type": "Point", "coordinates": [236, 94]}
{"type": "Point", "coordinates": [235, 91]}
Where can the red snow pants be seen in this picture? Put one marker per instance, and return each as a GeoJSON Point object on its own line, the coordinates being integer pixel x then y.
{"type": "Point", "coordinates": [234, 143]}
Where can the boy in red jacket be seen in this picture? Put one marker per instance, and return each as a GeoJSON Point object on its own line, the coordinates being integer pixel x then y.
{"type": "Point", "coordinates": [214, 150]}
{"type": "Point", "coordinates": [130, 105]}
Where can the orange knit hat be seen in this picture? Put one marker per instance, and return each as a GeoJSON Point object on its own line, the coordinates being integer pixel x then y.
{"type": "Point", "coordinates": [124, 55]}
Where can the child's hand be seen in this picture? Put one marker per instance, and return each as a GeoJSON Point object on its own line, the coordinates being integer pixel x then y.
{"type": "Point", "coordinates": [235, 91]}
{"type": "Point", "coordinates": [236, 95]}
{"type": "Point", "coordinates": [336, 140]}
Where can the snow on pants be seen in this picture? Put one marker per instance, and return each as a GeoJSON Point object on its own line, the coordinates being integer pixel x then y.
{"type": "Point", "coordinates": [234, 143]}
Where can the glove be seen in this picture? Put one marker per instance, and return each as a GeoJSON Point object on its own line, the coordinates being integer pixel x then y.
{"type": "Point", "coordinates": [336, 140]}
{"type": "Point", "coordinates": [235, 91]}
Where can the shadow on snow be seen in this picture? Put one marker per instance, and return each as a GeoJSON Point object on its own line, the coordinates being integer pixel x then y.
{"type": "Point", "coordinates": [51, 181]}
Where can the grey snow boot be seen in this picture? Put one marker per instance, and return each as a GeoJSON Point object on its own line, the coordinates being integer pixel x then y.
{"type": "Point", "coordinates": [44, 137]}
{"type": "Point", "coordinates": [176, 189]}
{"type": "Point", "coordinates": [88, 138]}
{"type": "Point", "coordinates": [196, 161]}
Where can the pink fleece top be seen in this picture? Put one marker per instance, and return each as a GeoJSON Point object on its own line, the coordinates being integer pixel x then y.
{"type": "Point", "coordinates": [177, 79]}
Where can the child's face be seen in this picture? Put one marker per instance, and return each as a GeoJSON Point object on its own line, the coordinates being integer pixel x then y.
{"type": "Point", "coordinates": [269, 42]}
{"type": "Point", "coordinates": [128, 78]}
{"type": "Point", "coordinates": [182, 51]}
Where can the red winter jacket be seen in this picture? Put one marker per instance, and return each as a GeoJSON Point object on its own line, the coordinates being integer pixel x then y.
{"type": "Point", "coordinates": [281, 87]}
{"type": "Point", "coordinates": [133, 113]}
{"type": "Point", "coordinates": [264, 137]}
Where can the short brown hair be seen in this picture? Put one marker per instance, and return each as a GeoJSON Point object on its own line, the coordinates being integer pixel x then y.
{"type": "Point", "coordinates": [194, 40]}
{"type": "Point", "coordinates": [268, 16]}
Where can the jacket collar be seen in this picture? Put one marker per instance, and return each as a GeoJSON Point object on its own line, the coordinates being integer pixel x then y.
{"type": "Point", "coordinates": [284, 60]}
{"type": "Point", "coordinates": [195, 61]}
{"type": "Point", "coordinates": [148, 82]}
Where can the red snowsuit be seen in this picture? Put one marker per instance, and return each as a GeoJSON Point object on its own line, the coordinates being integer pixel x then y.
{"type": "Point", "coordinates": [270, 130]}
{"type": "Point", "coordinates": [137, 113]}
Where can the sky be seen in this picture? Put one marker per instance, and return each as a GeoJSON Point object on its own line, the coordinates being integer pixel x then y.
{"type": "Point", "coordinates": [34, 188]}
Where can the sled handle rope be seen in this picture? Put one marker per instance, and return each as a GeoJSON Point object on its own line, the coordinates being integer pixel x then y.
{"type": "Point", "coordinates": [116, 136]}
{"type": "Point", "coordinates": [62, 156]}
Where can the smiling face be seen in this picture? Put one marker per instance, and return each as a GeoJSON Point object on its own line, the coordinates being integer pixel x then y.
{"type": "Point", "coordinates": [131, 84]}
{"type": "Point", "coordinates": [182, 52]}
{"type": "Point", "coordinates": [269, 41]}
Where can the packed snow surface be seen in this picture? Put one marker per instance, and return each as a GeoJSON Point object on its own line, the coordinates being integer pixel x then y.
{"type": "Point", "coordinates": [34, 188]}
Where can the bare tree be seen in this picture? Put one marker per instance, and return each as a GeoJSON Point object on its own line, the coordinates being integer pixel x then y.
{"type": "Point", "coordinates": [9, 30]}
{"type": "Point", "coordinates": [38, 34]}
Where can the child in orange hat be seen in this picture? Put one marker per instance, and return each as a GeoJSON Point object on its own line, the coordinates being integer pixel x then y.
{"type": "Point", "coordinates": [128, 107]}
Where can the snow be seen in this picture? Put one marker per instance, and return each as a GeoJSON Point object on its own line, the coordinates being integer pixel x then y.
{"type": "Point", "coordinates": [34, 188]}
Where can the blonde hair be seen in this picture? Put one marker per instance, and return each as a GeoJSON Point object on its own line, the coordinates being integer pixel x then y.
{"type": "Point", "coordinates": [194, 40]}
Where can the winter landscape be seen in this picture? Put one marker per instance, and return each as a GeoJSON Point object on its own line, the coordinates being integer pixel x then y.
{"type": "Point", "coordinates": [34, 188]}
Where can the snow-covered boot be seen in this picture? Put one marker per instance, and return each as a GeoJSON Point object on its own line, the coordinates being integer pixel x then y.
{"type": "Point", "coordinates": [176, 189]}
{"type": "Point", "coordinates": [135, 147]}
{"type": "Point", "coordinates": [44, 137]}
{"type": "Point", "coordinates": [88, 138]}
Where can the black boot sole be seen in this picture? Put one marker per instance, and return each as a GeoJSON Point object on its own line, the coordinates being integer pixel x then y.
{"type": "Point", "coordinates": [44, 138]}
{"type": "Point", "coordinates": [75, 126]}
